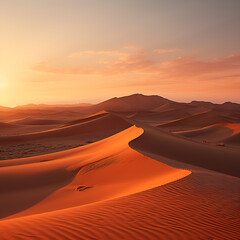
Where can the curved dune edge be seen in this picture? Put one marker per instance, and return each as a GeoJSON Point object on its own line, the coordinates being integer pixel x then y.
{"type": "Point", "coordinates": [164, 144]}
{"type": "Point", "coordinates": [105, 170]}
{"type": "Point", "coordinates": [216, 133]}
{"type": "Point", "coordinates": [210, 133]}
{"type": "Point", "coordinates": [196, 121]}
{"type": "Point", "coordinates": [86, 119]}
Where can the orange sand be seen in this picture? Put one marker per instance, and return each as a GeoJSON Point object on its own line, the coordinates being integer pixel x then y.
{"type": "Point", "coordinates": [138, 182]}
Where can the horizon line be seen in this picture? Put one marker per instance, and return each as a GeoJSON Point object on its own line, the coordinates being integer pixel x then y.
{"type": "Point", "coordinates": [100, 101]}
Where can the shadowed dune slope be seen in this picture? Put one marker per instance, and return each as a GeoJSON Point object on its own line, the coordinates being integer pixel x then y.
{"type": "Point", "coordinates": [151, 116]}
{"type": "Point", "coordinates": [211, 133]}
{"type": "Point", "coordinates": [105, 126]}
{"type": "Point", "coordinates": [180, 149]}
{"type": "Point", "coordinates": [198, 121]}
{"type": "Point", "coordinates": [187, 108]}
{"type": "Point", "coordinates": [4, 125]}
{"type": "Point", "coordinates": [87, 119]}
{"type": "Point", "coordinates": [36, 121]}
{"type": "Point", "coordinates": [222, 132]}
{"type": "Point", "coordinates": [135, 102]}
{"type": "Point", "coordinates": [234, 139]}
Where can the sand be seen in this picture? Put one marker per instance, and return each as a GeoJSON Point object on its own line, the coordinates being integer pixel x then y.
{"type": "Point", "coordinates": [118, 176]}
{"type": "Point", "coordinates": [43, 140]}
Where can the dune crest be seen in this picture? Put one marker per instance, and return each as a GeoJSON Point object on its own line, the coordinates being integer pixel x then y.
{"type": "Point", "coordinates": [103, 170]}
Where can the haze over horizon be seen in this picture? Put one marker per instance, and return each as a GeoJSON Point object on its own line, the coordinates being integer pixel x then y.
{"type": "Point", "coordinates": [101, 101]}
{"type": "Point", "coordinates": [57, 51]}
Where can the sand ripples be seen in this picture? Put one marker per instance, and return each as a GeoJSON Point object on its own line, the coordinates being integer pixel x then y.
{"type": "Point", "coordinates": [200, 206]}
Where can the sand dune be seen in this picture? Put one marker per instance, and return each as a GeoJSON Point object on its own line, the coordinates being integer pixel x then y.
{"type": "Point", "coordinates": [206, 156]}
{"type": "Point", "coordinates": [222, 132]}
{"type": "Point", "coordinates": [28, 141]}
{"type": "Point", "coordinates": [157, 117]}
{"type": "Point", "coordinates": [109, 168]}
{"type": "Point", "coordinates": [35, 121]}
{"type": "Point", "coordinates": [114, 193]}
{"type": "Point", "coordinates": [233, 140]}
{"type": "Point", "coordinates": [131, 182]}
{"type": "Point", "coordinates": [25, 129]}
{"type": "Point", "coordinates": [4, 125]}
{"type": "Point", "coordinates": [198, 121]}
{"type": "Point", "coordinates": [234, 126]}
{"type": "Point", "coordinates": [180, 210]}
{"type": "Point", "coordinates": [167, 107]}
{"type": "Point", "coordinates": [106, 125]}
{"type": "Point", "coordinates": [25, 144]}
{"type": "Point", "coordinates": [53, 113]}
{"type": "Point", "coordinates": [210, 133]}
{"type": "Point", "coordinates": [188, 108]}
{"type": "Point", "coordinates": [86, 119]}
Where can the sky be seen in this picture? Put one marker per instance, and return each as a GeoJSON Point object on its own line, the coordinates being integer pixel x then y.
{"type": "Point", "coordinates": [73, 51]}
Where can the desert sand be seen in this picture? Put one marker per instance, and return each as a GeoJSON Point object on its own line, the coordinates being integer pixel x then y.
{"type": "Point", "coordinates": [136, 167]}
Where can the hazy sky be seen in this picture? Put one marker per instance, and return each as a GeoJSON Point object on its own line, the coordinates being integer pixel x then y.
{"type": "Point", "coordinates": [69, 51]}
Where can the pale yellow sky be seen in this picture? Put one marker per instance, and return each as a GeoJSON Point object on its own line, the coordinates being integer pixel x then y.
{"type": "Point", "coordinates": [59, 51]}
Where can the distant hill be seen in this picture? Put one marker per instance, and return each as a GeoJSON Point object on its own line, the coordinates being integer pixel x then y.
{"type": "Point", "coordinates": [135, 102]}
{"type": "Point", "coordinates": [46, 106]}
{"type": "Point", "coordinates": [128, 104]}
{"type": "Point", "coordinates": [228, 106]}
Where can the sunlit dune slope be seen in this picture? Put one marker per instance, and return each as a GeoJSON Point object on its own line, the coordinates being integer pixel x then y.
{"type": "Point", "coordinates": [103, 170]}
{"type": "Point", "coordinates": [134, 206]}
{"type": "Point", "coordinates": [107, 190]}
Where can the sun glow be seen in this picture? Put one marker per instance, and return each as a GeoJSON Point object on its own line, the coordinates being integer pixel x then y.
{"type": "Point", "coordinates": [3, 83]}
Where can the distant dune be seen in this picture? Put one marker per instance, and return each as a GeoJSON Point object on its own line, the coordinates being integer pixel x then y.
{"type": "Point", "coordinates": [210, 133]}
{"type": "Point", "coordinates": [235, 139]}
{"type": "Point", "coordinates": [198, 121]}
{"type": "Point", "coordinates": [34, 121]}
{"type": "Point", "coordinates": [87, 119]}
{"type": "Point", "coordinates": [108, 124]}
{"type": "Point", "coordinates": [7, 125]}
{"type": "Point", "coordinates": [163, 116]}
